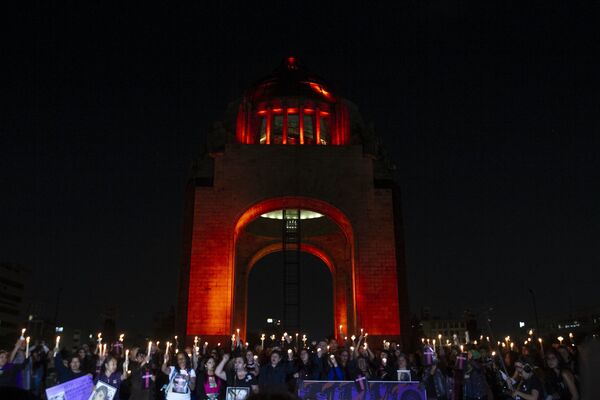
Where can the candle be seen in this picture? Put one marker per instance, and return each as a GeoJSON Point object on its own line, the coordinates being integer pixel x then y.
{"type": "Point", "coordinates": [57, 342]}
{"type": "Point", "coordinates": [296, 339]}
{"type": "Point", "coordinates": [361, 331]}
{"type": "Point", "coordinates": [27, 347]}
{"type": "Point", "coordinates": [126, 355]}
{"type": "Point", "coordinates": [341, 329]}
{"type": "Point", "coordinates": [560, 339]}
{"type": "Point", "coordinates": [262, 340]}
{"type": "Point", "coordinates": [104, 349]}
{"type": "Point", "coordinates": [255, 358]}
{"type": "Point", "coordinates": [219, 344]}
{"type": "Point", "coordinates": [462, 348]}
{"type": "Point", "coordinates": [467, 337]}
{"type": "Point", "coordinates": [423, 340]}
{"type": "Point", "coordinates": [384, 361]}
{"type": "Point", "coordinates": [433, 341]}
{"type": "Point", "coordinates": [351, 348]}
{"type": "Point", "coordinates": [23, 333]}
{"type": "Point", "coordinates": [149, 348]}
{"type": "Point", "coordinates": [440, 339]}
{"type": "Point", "coordinates": [238, 332]}
{"type": "Point", "coordinates": [289, 352]}
{"type": "Point", "coordinates": [167, 348]}
{"type": "Point", "coordinates": [195, 341]}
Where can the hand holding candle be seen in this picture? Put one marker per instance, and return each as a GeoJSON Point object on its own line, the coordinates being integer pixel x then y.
{"type": "Point", "coordinates": [27, 347]}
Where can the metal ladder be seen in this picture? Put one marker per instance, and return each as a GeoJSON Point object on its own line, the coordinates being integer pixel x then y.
{"type": "Point", "coordinates": [291, 273]}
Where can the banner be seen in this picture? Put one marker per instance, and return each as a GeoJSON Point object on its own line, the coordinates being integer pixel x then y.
{"type": "Point", "coordinates": [77, 389]}
{"type": "Point", "coordinates": [350, 390]}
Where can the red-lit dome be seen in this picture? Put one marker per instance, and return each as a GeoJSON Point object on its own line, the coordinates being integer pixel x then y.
{"type": "Point", "coordinates": [292, 106]}
{"type": "Point", "coordinates": [290, 79]}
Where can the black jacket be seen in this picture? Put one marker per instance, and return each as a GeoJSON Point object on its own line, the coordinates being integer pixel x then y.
{"type": "Point", "coordinates": [274, 378]}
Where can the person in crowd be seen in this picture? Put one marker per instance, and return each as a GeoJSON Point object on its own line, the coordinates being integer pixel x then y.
{"type": "Point", "coordinates": [9, 370]}
{"type": "Point", "coordinates": [528, 386]}
{"type": "Point", "coordinates": [559, 381]}
{"type": "Point", "coordinates": [86, 359]}
{"type": "Point", "coordinates": [335, 371]}
{"type": "Point", "coordinates": [434, 382]}
{"type": "Point", "coordinates": [209, 385]}
{"type": "Point", "coordinates": [109, 375]}
{"type": "Point", "coordinates": [37, 368]}
{"type": "Point", "coordinates": [142, 378]}
{"type": "Point", "coordinates": [475, 385]}
{"type": "Point", "coordinates": [252, 363]}
{"type": "Point", "coordinates": [69, 369]}
{"type": "Point", "coordinates": [182, 377]}
{"type": "Point", "coordinates": [239, 376]}
{"type": "Point", "coordinates": [402, 365]}
{"type": "Point", "coordinates": [363, 368]}
{"type": "Point", "coordinates": [307, 366]}
{"type": "Point", "coordinates": [273, 376]}
{"type": "Point", "coordinates": [568, 359]}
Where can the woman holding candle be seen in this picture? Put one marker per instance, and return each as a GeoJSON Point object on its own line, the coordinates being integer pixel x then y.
{"type": "Point", "coordinates": [308, 366]}
{"type": "Point", "coordinates": [238, 376]}
{"type": "Point", "coordinates": [141, 379]}
{"type": "Point", "coordinates": [109, 375]}
{"type": "Point", "coordinates": [182, 377]}
{"type": "Point", "coordinates": [8, 370]}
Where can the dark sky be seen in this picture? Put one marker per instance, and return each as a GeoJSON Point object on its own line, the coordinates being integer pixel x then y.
{"type": "Point", "coordinates": [490, 113]}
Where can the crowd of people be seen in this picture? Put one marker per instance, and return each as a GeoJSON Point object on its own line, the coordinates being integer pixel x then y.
{"type": "Point", "coordinates": [154, 372]}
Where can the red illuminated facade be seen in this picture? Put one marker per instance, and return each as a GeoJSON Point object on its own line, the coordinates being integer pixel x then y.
{"type": "Point", "coordinates": [290, 142]}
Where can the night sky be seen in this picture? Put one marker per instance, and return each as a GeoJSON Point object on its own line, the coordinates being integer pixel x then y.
{"type": "Point", "coordinates": [491, 115]}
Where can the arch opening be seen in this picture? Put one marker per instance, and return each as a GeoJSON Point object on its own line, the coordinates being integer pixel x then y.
{"type": "Point", "coordinates": [265, 297]}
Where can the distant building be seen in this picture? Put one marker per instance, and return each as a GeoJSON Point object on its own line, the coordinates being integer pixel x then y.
{"type": "Point", "coordinates": [453, 329]}
{"type": "Point", "coordinates": [585, 320]}
{"type": "Point", "coordinates": [12, 292]}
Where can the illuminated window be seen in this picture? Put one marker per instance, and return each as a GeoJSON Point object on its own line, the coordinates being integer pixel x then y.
{"type": "Point", "coordinates": [324, 125]}
{"type": "Point", "coordinates": [277, 129]}
{"type": "Point", "coordinates": [293, 126]}
{"type": "Point", "coordinates": [308, 129]}
{"type": "Point", "coordinates": [293, 132]}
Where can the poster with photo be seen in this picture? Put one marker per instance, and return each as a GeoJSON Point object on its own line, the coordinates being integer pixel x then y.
{"type": "Point", "coordinates": [103, 391]}
{"type": "Point", "coordinates": [237, 393]}
{"type": "Point", "coordinates": [76, 389]}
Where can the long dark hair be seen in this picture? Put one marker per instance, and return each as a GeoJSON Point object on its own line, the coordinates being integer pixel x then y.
{"type": "Point", "coordinates": [106, 361]}
{"type": "Point", "coordinates": [188, 362]}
